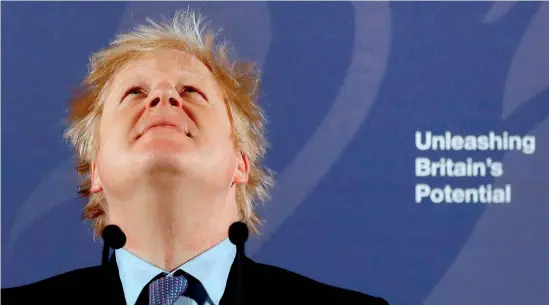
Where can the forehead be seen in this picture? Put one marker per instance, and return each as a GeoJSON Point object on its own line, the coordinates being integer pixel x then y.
{"type": "Point", "coordinates": [175, 64]}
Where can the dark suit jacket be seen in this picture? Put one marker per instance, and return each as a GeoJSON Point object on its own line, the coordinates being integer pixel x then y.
{"type": "Point", "coordinates": [259, 284]}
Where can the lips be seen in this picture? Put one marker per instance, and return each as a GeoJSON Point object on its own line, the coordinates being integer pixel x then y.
{"type": "Point", "coordinates": [161, 125]}
{"type": "Point", "coordinates": [164, 123]}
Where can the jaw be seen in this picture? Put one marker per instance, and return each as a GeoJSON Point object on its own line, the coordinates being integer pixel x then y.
{"type": "Point", "coordinates": [178, 224]}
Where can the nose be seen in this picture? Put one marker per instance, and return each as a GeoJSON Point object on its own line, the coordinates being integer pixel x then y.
{"type": "Point", "coordinates": [164, 95]}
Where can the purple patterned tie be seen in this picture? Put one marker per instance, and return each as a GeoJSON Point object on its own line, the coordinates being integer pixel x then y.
{"type": "Point", "coordinates": [165, 290]}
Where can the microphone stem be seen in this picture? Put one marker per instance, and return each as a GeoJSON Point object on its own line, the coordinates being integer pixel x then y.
{"type": "Point", "coordinates": [239, 254]}
{"type": "Point", "coordinates": [105, 255]}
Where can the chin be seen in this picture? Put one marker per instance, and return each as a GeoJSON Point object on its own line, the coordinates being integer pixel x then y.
{"type": "Point", "coordinates": [159, 145]}
{"type": "Point", "coordinates": [162, 162]}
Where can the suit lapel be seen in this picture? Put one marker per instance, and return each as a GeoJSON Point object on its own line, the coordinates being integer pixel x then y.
{"type": "Point", "coordinates": [114, 292]}
{"type": "Point", "coordinates": [238, 288]}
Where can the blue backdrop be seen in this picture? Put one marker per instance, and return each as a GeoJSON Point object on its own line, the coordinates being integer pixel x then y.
{"type": "Point", "coordinates": [346, 87]}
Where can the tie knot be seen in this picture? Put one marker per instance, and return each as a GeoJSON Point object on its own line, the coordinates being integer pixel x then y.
{"type": "Point", "coordinates": [166, 290]}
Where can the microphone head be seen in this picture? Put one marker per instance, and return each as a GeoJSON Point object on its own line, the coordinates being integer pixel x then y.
{"type": "Point", "coordinates": [238, 233]}
{"type": "Point", "coordinates": [114, 237]}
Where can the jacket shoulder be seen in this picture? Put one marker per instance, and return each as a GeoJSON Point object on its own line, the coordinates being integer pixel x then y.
{"type": "Point", "coordinates": [303, 290]}
{"type": "Point", "coordinates": [54, 289]}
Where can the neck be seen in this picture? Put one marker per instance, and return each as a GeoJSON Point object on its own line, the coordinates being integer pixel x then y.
{"type": "Point", "coordinates": [169, 226]}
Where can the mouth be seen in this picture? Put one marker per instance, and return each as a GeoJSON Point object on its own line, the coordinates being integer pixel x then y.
{"type": "Point", "coordinates": [177, 128]}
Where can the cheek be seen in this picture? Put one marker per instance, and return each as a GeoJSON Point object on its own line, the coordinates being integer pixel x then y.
{"type": "Point", "coordinates": [216, 128]}
{"type": "Point", "coordinates": [218, 147]}
{"type": "Point", "coordinates": [113, 131]}
{"type": "Point", "coordinates": [108, 143]}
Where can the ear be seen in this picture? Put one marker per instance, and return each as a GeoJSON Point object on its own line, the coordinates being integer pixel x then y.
{"type": "Point", "coordinates": [96, 185]}
{"type": "Point", "coordinates": [242, 171]}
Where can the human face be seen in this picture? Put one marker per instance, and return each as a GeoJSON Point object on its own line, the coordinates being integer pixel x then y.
{"type": "Point", "coordinates": [164, 113]}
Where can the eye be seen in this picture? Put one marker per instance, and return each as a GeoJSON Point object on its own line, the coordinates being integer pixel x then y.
{"type": "Point", "coordinates": [189, 90]}
{"type": "Point", "coordinates": [133, 91]}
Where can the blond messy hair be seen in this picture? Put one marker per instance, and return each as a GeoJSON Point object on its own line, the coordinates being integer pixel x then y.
{"type": "Point", "coordinates": [239, 84]}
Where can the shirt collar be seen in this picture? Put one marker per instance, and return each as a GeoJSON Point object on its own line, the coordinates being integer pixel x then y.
{"type": "Point", "coordinates": [211, 268]}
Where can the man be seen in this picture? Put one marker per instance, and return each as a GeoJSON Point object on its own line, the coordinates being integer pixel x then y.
{"type": "Point", "coordinates": [169, 138]}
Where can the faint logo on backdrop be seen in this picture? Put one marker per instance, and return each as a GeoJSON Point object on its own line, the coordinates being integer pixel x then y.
{"type": "Point", "coordinates": [247, 25]}
{"type": "Point", "coordinates": [519, 225]}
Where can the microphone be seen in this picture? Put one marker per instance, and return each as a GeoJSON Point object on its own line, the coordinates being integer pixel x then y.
{"type": "Point", "coordinates": [114, 238]}
{"type": "Point", "coordinates": [238, 235]}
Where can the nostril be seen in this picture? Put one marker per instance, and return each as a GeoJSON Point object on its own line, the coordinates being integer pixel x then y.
{"type": "Point", "coordinates": [155, 102]}
{"type": "Point", "coordinates": [174, 102]}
